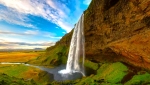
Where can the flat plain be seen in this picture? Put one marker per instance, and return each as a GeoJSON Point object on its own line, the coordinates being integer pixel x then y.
{"type": "Point", "coordinates": [22, 56]}
{"type": "Point", "coordinates": [20, 70]}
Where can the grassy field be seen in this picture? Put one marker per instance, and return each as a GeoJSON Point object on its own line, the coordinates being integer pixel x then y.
{"type": "Point", "coordinates": [23, 71]}
{"type": "Point", "coordinates": [26, 72]}
{"type": "Point", "coordinates": [19, 56]}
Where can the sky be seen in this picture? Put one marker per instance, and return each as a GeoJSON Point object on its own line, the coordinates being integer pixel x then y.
{"type": "Point", "coordinates": [29, 24]}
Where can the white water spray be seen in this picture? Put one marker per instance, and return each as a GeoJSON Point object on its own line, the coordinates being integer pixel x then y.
{"type": "Point", "coordinates": [76, 50]}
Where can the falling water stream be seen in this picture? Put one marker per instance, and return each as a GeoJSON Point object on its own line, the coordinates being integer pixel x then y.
{"type": "Point", "coordinates": [76, 51]}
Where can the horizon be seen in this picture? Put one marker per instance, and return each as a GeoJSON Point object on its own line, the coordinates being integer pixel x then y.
{"type": "Point", "coordinates": [28, 24]}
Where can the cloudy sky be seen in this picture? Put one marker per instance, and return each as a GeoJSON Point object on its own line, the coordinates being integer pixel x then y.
{"type": "Point", "coordinates": [28, 24]}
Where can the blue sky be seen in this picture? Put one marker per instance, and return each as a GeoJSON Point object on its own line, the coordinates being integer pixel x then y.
{"type": "Point", "coordinates": [29, 24]}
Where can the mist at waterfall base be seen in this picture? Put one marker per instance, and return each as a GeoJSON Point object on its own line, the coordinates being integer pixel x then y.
{"type": "Point", "coordinates": [74, 65]}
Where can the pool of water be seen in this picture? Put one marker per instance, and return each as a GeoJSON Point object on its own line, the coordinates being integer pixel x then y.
{"type": "Point", "coordinates": [60, 77]}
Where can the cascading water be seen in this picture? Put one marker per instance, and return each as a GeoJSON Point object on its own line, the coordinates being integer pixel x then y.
{"type": "Point", "coordinates": [76, 50]}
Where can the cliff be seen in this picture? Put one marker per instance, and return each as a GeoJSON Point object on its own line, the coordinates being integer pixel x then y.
{"type": "Point", "coordinates": [118, 30]}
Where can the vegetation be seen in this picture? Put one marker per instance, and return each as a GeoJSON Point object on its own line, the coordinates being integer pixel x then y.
{"type": "Point", "coordinates": [141, 79]}
{"type": "Point", "coordinates": [110, 74]}
{"type": "Point", "coordinates": [7, 80]}
{"type": "Point", "coordinates": [55, 55]}
{"type": "Point", "coordinates": [22, 56]}
{"type": "Point", "coordinates": [21, 74]}
{"type": "Point", "coordinates": [91, 65]}
{"type": "Point", "coordinates": [26, 72]}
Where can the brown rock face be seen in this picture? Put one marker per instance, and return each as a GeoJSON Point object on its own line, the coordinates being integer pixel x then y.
{"type": "Point", "coordinates": [118, 30]}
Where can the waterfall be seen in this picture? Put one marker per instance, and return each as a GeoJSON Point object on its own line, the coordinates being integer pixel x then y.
{"type": "Point", "coordinates": [76, 51]}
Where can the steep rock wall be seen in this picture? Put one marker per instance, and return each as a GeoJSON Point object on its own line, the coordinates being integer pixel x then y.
{"type": "Point", "coordinates": [118, 30]}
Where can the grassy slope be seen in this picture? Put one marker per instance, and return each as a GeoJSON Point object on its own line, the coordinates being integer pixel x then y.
{"type": "Point", "coordinates": [25, 72]}
{"type": "Point", "coordinates": [110, 74]}
{"type": "Point", "coordinates": [7, 80]}
{"type": "Point", "coordinates": [21, 71]}
{"type": "Point", "coordinates": [141, 79]}
{"type": "Point", "coordinates": [55, 55]}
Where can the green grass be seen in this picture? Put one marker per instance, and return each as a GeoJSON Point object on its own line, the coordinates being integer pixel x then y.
{"type": "Point", "coordinates": [14, 70]}
{"type": "Point", "coordinates": [27, 73]}
{"type": "Point", "coordinates": [7, 80]}
{"type": "Point", "coordinates": [111, 72]}
{"type": "Point", "coordinates": [107, 74]}
{"type": "Point", "coordinates": [91, 65]}
{"type": "Point", "coordinates": [19, 56]}
{"type": "Point", "coordinates": [53, 57]}
{"type": "Point", "coordinates": [56, 56]}
{"type": "Point", "coordinates": [143, 79]}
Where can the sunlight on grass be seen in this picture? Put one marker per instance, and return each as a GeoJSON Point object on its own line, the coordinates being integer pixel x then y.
{"type": "Point", "coordinates": [139, 79]}
{"type": "Point", "coordinates": [25, 72]}
{"type": "Point", "coordinates": [18, 56]}
{"type": "Point", "coordinates": [111, 72]}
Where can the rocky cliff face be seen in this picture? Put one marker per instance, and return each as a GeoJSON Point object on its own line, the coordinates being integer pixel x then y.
{"type": "Point", "coordinates": [118, 30]}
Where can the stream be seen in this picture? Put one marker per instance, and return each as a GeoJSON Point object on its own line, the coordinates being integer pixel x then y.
{"type": "Point", "coordinates": [53, 71]}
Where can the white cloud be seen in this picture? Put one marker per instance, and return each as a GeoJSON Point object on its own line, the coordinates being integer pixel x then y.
{"type": "Point", "coordinates": [7, 42]}
{"type": "Point", "coordinates": [14, 17]}
{"type": "Point", "coordinates": [51, 10]}
{"type": "Point", "coordinates": [55, 5]}
{"type": "Point", "coordinates": [28, 32]}
{"type": "Point", "coordinates": [24, 45]}
{"type": "Point", "coordinates": [31, 32]}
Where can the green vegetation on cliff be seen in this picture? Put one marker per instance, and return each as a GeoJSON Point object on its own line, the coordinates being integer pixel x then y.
{"type": "Point", "coordinates": [141, 79]}
{"type": "Point", "coordinates": [55, 55]}
{"type": "Point", "coordinates": [7, 80]}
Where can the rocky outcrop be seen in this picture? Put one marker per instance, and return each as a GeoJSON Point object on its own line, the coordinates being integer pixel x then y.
{"type": "Point", "coordinates": [118, 30]}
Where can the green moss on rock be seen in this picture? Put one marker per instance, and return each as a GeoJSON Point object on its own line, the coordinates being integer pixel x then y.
{"type": "Point", "coordinates": [111, 72]}
{"type": "Point", "coordinates": [91, 65]}
{"type": "Point", "coordinates": [143, 79]}
{"type": "Point", "coordinates": [107, 74]}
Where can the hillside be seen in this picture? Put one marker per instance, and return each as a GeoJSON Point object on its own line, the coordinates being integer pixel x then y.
{"type": "Point", "coordinates": [57, 54]}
